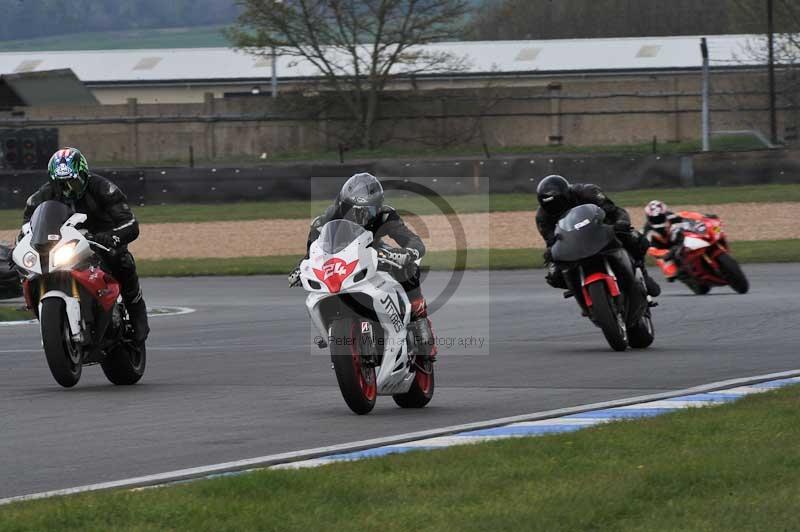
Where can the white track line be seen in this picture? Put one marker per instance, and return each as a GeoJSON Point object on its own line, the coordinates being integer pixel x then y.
{"type": "Point", "coordinates": [172, 311]}
{"type": "Point", "coordinates": [319, 452]}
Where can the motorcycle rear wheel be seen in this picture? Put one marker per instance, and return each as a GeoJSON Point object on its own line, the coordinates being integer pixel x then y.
{"type": "Point", "coordinates": [421, 391]}
{"type": "Point", "coordinates": [63, 356]}
{"type": "Point", "coordinates": [642, 334]}
{"type": "Point", "coordinates": [124, 365]}
{"type": "Point", "coordinates": [610, 321]}
{"type": "Point", "coordinates": [357, 382]}
{"type": "Point", "coordinates": [698, 288]}
{"type": "Point", "coordinates": [732, 272]}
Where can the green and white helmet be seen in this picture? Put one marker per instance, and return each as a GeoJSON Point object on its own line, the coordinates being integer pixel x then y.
{"type": "Point", "coordinates": [69, 172]}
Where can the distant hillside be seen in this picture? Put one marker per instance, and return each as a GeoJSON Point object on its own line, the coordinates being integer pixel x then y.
{"type": "Point", "coordinates": [31, 19]}
{"type": "Point", "coordinates": [197, 37]}
{"type": "Point", "coordinates": [578, 19]}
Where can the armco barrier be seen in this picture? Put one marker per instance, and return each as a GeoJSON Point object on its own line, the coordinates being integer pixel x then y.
{"type": "Point", "coordinates": [154, 186]}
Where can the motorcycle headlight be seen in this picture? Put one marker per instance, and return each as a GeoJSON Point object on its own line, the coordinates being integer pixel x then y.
{"type": "Point", "coordinates": [64, 255]}
{"type": "Point", "coordinates": [29, 260]}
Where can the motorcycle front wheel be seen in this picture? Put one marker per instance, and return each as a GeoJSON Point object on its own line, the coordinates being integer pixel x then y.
{"type": "Point", "coordinates": [610, 321]}
{"type": "Point", "coordinates": [63, 356]}
{"type": "Point", "coordinates": [732, 272]}
{"type": "Point", "coordinates": [357, 381]}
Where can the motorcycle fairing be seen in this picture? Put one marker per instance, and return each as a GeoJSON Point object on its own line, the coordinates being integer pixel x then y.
{"type": "Point", "coordinates": [389, 301]}
{"type": "Point", "coordinates": [100, 285]}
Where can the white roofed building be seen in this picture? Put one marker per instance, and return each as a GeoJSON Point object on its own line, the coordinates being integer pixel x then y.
{"type": "Point", "coordinates": [185, 75]}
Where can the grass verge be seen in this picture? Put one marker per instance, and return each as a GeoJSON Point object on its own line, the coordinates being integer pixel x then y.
{"type": "Point", "coordinates": [476, 259]}
{"type": "Point", "coordinates": [719, 143]}
{"type": "Point", "coordinates": [14, 314]}
{"type": "Point", "coordinates": [726, 468]}
{"type": "Point", "coordinates": [265, 210]}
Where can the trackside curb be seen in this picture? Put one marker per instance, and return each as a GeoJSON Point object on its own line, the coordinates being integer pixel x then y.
{"type": "Point", "coordinates": [355, 447]}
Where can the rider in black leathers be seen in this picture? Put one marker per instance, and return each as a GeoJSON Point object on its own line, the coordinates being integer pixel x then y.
{"type": "Point", "coordinates": [361, 202]}
{"type": "Point", "coordinates": [110, 223]}
{"type": "Point", "coordinates": [556, 196]}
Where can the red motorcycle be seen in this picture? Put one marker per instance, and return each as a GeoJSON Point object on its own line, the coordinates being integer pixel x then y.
{"type": "Point", "coordinates": [702, 259]}
{"type": "Point", "coordinates": [82, 316]}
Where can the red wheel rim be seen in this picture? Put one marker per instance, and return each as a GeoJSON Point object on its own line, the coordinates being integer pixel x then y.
{"type": "Point", "coordinates": [365, 375]}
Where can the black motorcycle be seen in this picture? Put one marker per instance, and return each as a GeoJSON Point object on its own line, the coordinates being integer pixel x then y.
{"type": "Point", "coordinates": [10, 286]}
{"type": "Point", "coordinates": [603, 278]}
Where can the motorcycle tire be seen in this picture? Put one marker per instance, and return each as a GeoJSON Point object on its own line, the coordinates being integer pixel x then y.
{"type": "Point", "coordinates": [609, 320]}
{"type": "Point", "coordinates": [63, 357]}
{"type": "Point", "coordinates": [358, 383]}
{"type": "Point", "coordinates": [421, 391]}
{"type": "Point", "coordinates": [698, 288]}
{"type": "Point", "coordinates": [732, 272]}
{"type": "Point", "coordinates": [642, 334]}
{"type": "Point", "coordinates": [124, 365]}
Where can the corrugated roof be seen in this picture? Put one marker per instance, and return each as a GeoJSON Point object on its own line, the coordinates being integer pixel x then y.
{"type": "Point", "coordinates": [481, 57]}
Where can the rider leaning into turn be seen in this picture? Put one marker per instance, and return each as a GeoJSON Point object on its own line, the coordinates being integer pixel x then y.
{"type": "Point", "coordinates": [658, 229]}
{"type": "Point", "coordinates": [109, 220]}
{"type": "Point", "coordinates": [556, 196]}
{"type": "Point", "coordinates": [361, 201]}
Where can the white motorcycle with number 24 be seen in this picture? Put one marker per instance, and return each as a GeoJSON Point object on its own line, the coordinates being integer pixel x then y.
{"type": "Point", "coordinates": [363, 313]}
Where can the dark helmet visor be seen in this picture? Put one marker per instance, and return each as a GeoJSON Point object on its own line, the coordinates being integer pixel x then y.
{"type": "Point", "coordinates": [71, 187]}
{"type": "Point", "coordinates": [555, 205]}
{"type": "Point", "coordinates": [363, 215]}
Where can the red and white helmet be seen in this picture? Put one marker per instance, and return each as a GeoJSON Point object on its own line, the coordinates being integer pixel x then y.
{"type": "Point", "coordinates": [656, 212]}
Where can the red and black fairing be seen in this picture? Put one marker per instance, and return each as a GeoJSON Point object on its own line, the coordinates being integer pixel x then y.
{"type": "Point", "coordinates": [620, 282]}
{"type": "Point", "coordinates": [96, 290]}
{"type": "Point", "coordinates": [587, 251]}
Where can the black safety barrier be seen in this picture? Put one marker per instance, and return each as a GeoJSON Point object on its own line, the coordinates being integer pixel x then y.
{"type": "Point", "coordinates": [155, 186]}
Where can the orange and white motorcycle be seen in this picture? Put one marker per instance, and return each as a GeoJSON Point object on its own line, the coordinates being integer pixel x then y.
{"type": "Point", "coordinates": [363, 315]}
{"type": "Point", "coordinates": [701, 256]}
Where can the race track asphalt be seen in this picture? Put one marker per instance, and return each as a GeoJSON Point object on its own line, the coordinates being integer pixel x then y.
{"type": "Point", "coordinates": [241, 378]}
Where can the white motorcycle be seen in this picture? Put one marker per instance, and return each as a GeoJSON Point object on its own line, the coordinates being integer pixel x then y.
{"type": "Point", "coordinates": [363, 315]}
{"type": "Point", "coordinates": [83, 319]}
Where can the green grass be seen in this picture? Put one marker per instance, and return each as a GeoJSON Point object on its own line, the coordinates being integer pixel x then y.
{"type": "Point", "coordinates": [719, 144]}
{"type": "Point", "coordinates": [197, 37]}
{"type": "Point", "coordinates": [479, 259]}
{"type": "Point", "coordinates": [724, 468]}
{"type": "Point", "coordinates": [11, 219]}
{"type": "Point", "coordinates": [476, 259]}
{"type": "Point", "coordinates": [14, 314]}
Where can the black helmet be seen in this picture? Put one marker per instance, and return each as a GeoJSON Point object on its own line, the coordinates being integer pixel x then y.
{"type": "Point", "coordinates": [360, 199]}
{"type": "Point", "coordinates": [554, 195]}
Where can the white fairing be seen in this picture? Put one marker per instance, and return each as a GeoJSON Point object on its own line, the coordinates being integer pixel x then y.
{"type": "Point", "coordinates": [693, 243]}
{"type": "Point", "coordinates": [70, 236]}
{"type": "Point", "coordinates": [73, 307]}
{"type": "Point", "coordinates": [391, 304]}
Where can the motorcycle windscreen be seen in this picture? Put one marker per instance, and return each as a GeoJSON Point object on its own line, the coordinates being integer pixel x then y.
{"type": "Point", "coordinates": [46, 223]}
{"type": "Point", "coordinates": [338, 234]}
{"type": "Point", "coordinates": [581, 234]}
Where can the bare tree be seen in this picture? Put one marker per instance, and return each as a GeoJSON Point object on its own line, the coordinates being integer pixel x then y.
{"type": "Point", "coordinates": [357, 46]}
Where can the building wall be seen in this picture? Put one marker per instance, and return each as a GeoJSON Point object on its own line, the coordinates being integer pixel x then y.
{"type": "Point", "coordinates": [578, 111]}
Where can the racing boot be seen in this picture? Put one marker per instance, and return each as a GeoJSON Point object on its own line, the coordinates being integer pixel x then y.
{"type": "Point", "coordinates": [137, 312]}
{"type": "Point", "coordinates": [423, 331]}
